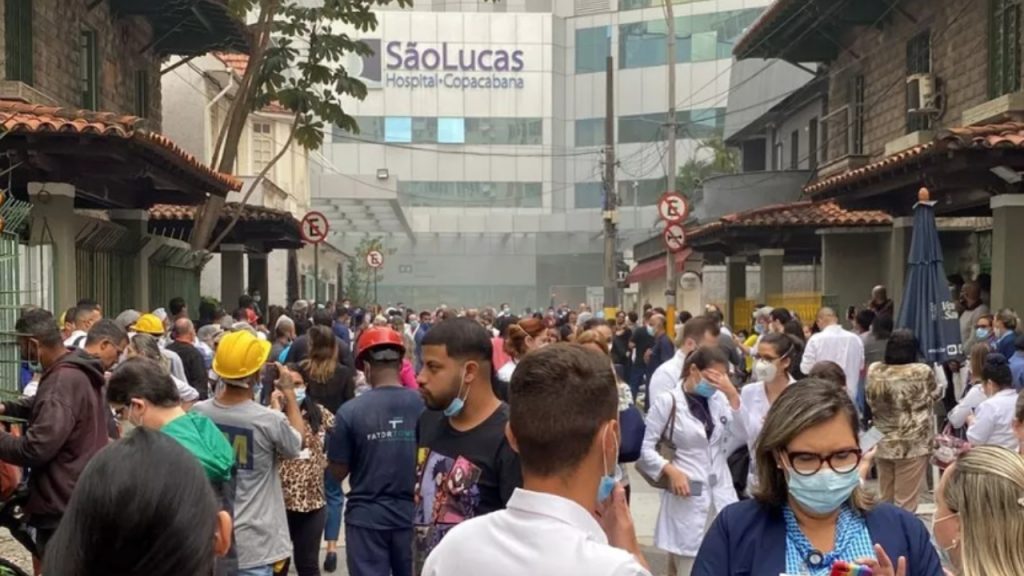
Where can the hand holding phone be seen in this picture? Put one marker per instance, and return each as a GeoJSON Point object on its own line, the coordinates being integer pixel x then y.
{"type": "Point", "coordinates": [869, 439]}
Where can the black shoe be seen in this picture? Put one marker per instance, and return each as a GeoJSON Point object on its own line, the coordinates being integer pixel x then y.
{"type": "Point", "coordinates": [331, 562]}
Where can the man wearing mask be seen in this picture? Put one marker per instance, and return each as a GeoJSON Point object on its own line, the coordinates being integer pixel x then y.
{"type": "Point", "coordinates": [421, 331]}
{"type": "Point", "coordinates": [568, 463]}
{"type": "Point", "coordinates": [374, 439]}
{"type": "Point", "coordinates": [697, 332]}
{"type": "Point", "coordinates": [67, 420]}
{"type": "Point", "coordinates": [662, 350]}
{"type": "Point", "coordinates": [974, 309]}
{"type": "Point", "coordinates": [465, 466]}
{"type": "Point", "coordinates": [106, 341]}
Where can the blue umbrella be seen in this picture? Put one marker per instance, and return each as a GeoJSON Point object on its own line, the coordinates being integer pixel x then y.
{"type": "Point", "coordinates": [928, 309]}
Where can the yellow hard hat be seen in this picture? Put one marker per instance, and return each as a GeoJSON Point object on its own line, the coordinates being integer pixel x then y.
{"type": "Point", "coordinates": [240, 355]}
{"type": "Point", "coordinates": [149, 324]}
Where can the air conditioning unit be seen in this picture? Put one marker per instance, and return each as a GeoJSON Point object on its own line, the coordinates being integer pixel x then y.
{"type": "Point", "coordinates": [922, 97]}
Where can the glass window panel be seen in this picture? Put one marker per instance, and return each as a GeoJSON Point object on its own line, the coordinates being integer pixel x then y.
{"type": "Point", "coordinates": [398, 129]}
{"type": "Point", "coordinates": [472, 194]}
{"type": "Point", "coordinates": [590, 132]}
{"type": "Point", "coordinates": [705, 46]}
{"type": "Point", "coordinates": [424, 130]}
{"type": "Point", "coordinates": [593, 45]}
{"type": "Point", "coordinates": [451, 130]}
{"type": "Point", "coordinates": [698, 38]}
{"type": "Point", "coordinates": [589, 194]}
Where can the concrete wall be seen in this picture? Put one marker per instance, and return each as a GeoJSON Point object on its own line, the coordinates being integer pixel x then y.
{"type": "Point", "coordinates": [854, 262]}
{"type": "Point", "coordinates": [959, 60]}
{"type": "Point", "coordinates": [56, 33]}
{"type": "Point", "coordinates": [780, 139]}
{"type": "Point", "coordinates": [759, 85]}
{"type": "Point", "coordinates": [739, 192]}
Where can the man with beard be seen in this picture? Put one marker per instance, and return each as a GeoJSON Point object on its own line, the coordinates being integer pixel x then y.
{"type": "Point", "coordinates": [464, 427]}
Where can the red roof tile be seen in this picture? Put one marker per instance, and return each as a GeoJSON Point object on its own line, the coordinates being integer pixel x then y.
{"type": "Point", "coordinates": [1005, 135]}
{"type": "Point", "coordinates": [240, 63]}
{"type": "Point", "coordinates": [250, 213]}
{"type": "Point", "coordinates": [22, 118]}
{"type": "Point", "coordinates": [797, 214]}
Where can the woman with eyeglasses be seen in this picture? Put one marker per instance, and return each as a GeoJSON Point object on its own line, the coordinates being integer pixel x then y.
{"type": "Point", "coordinates": [809, 511]}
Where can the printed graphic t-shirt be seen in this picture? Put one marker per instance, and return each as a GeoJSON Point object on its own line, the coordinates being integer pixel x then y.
{"type": "Point", "coordinates": [460, 475]}
{"type": "Point", "coordinates": [375, 435]}
{"type": "Point", "coordinates": [261, 438]}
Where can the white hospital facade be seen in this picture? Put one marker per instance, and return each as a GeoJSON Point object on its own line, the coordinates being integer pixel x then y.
{"type": "Point", "coordinates": [479, 156]}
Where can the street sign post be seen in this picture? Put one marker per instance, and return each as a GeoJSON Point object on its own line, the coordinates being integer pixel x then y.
{"type": "Point", "coordinates": [672, 208]}
{"type": "Point", "coordinates": [375, 260]}
{"type": "Point", "coordinates": [675, 237]}
{"type": "Point", "coordinates": [313, 229]}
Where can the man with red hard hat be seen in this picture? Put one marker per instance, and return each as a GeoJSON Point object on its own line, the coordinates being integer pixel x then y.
{"type": "Point", "coordinates": [374, 445]}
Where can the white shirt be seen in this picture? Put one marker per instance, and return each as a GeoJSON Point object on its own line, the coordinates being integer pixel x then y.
{"type": "Point", "coordinates": [834, 344]}
{"type": "Point", "coordinates": [537, 534]}
{"type": "Point", "coordinates": [177, 368]}
{"type": "Point", "coordinates": [76, 340]}
{"type": "Point", "coordinates": [506, 371]}
{"type": "Point", "coordinates": [186, 392]}
{"type": "Point", "coordinates": [754, 407]}
{"type": "Point", "coordinates": [993, 421]}
{"type": "Point", "coordinates": [681, 521]}
{"type": "Point", "coordinates": [666, 378]}
{"type": "Point", "coordinates": [958, 415]}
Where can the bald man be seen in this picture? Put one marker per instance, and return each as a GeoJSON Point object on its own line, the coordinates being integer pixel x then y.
{"type": "Point", "coordinates": [184, 345]}
{"type": "Point", "coordinates": [880, 302]}
{"type": "Point", "coordinates": [834, 344]}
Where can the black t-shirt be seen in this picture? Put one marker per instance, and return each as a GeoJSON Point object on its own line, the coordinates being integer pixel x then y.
{"type": "Point", "coordinates": [620, 346]}
{"type": "Point", "coordinates": [338, 389]}
{"type": "Point", "coordinates": [460, 475]}
{"type": "Point", "coordinates": [194, 365]}
{"type": "Point", "coordinates": [643, 342]}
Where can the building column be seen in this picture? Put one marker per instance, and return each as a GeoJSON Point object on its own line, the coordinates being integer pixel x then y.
{"type": "Point", "coordinates": [735, 285]}
{"type": "Point", "coordinates": [258, 275]}
{"type": "Point", "coordinates": [232, 275]}
{"type": "Point", "coordinates": [902, 231]}
{"type": "Point", "coordinates": [53, 207]}
{"type": "Point", "coordinates": [136, 222]}
{"type": "Point", "coordinates": [771, 273]}
{"type": "Point", "coordinates": [1007, 240]}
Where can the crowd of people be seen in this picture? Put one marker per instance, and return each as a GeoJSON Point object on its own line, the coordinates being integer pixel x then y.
{"type": "Point", "coordinates": [455, 440]}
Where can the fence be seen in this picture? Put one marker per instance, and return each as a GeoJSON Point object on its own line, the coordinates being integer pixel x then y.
{"type": "Point", "coordinates": [174, 271]}
{"type": "Point", "coordinates": [13, 213]}
{"type": "Point", "coordinates": [804, 305]}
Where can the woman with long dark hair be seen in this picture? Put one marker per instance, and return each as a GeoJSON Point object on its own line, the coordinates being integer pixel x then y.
{"type": "Point", "coordinates": [143, 505]}
{"type": "Point", "coordinates": [302, 480]}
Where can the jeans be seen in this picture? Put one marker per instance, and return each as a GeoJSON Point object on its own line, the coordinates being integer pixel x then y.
{"type": "Point", "coordinates": [305, 529]}
{"type": "Point", "coordinates": [378, 552]}
{"type": "Point", "coordinates": [636, 380]}
{"type": "Point", "coordinates": [335, 500]}
{"type": "Point", "coordinates": [257, 571]}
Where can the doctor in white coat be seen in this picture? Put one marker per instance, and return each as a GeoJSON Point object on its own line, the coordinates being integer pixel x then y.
{"type": "Point", "coordinates": [701, 485]}
{"type": "Point", "coordinates": [698, 331]}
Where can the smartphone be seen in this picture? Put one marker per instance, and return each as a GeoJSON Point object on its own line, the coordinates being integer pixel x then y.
{"type": "Point", "coordinates": [870, 438]}
{"type": "Point", "coordinates": [270, 371]}
{"type": "Point", "coordinates": [696, 488]}
{"type": "Point", "coordinates": [851, 312]}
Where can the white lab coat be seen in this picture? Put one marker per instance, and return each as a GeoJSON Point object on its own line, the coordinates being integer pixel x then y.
{"type": "Point", "coordinates": [958, 415]}
{"type": "Point", "coordinates": [667, 377]}
{"type": "Point", "coordinates": [754, 408]}
{"type": "Point", "coordinates": [681, 521]}
{"type": "Point", "coordinates": [993, 421]}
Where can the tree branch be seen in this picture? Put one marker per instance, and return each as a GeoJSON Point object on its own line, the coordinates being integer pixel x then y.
{"type": "Point", "coordinates": [256, 182]}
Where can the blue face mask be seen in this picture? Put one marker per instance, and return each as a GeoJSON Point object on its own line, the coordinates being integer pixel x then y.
{"type": "Point", "coordinates": [459, 402]}
{"type": "Point", "coordinates": [823, 492]}
{"type": "Point", "coordinates": [651, 331]}
{"type": "Point", "coordinates": [982, 333]}
{"type": "Point", "coordinates": [759, 328]}
{"type": "Point", "coordinates": [607, 485]}
{"type": "Point", "coordinates": [704, 389]}
{"type": "Point", "coordinates": [300, 395]}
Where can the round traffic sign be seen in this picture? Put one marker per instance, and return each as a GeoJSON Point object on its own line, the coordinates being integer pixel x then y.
{"type": "Point", "coordinates": [374, 259]}
{"type": "Point", "coordinates": [672, 208]}
{"type": "Point", "coordinates": [675, 237]}
{"type": "Point", "coordinates": [314, 228]}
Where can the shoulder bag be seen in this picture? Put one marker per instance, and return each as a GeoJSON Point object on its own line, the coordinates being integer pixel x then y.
{"type": "Point", "coordinates": [666, 449]}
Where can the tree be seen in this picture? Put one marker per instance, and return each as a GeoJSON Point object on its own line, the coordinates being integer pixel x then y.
{"type": "Point", "coordinates": [295, 60]}
{"type": "Point", "coordinates": [717, 159]}
{"type": "Point", "coordinates": [360, 278]}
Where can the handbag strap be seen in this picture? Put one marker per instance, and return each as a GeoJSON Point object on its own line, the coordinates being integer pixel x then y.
{"type": "Point", "coordinates": [666, 432]}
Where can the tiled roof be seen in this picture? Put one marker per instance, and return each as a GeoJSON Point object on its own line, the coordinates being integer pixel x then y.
{"type": "Point", "coordinates": [250, 213]}
{"type": "Point", "coordinates": [240, 63]}
{"type": "Point", "coordinates": [798, 214]}
{"type": "Point", "coordinates": [1005, 135]}
{"type": "Point", "coordinates": [23, 118]}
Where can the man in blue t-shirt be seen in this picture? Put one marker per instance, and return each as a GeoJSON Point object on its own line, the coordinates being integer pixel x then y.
{"type": "Point", "coordinates": [374, 441]}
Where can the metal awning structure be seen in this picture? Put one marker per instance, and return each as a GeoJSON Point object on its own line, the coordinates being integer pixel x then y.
{"type": "Point", "coordinates": [188, 27]}
{"type": "Point", "coordinates": [359, 205]}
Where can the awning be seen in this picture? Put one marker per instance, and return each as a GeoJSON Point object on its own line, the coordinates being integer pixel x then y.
{"type": "Point", "coordinates": [655, 267]}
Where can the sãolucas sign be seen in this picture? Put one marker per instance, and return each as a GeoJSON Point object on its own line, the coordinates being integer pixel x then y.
{"type": "Point", "coordinates": [411, 66]}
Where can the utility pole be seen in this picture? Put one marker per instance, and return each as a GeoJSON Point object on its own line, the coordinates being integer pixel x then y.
{"type": "Point", "coordinates": [611, 216]}
{"type": "Point", "coordinates": [671, 276]}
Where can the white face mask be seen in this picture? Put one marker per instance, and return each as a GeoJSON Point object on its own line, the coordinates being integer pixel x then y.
{"type": "Point", "coordinates": [765, 371]}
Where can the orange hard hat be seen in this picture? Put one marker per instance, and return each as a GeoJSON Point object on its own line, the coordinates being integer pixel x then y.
{"type": "Point", "coordinates": [380, 338]}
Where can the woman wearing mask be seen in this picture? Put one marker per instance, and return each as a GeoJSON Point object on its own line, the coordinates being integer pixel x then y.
{"type": "Point", "coordinates": [809, 510]}
{"type": "Point", "coordinates": [772, 377]}
{"type": "Point", "coordinates": [330, 384]}
{"type": "Point", "coordinates": [284, 335]}
{"type": "Point", "coordinates": [1005, 332]}
{"type": "Point", "coordinates": [979, 513]}
{"type": "Point", "coordinates": [974, 394]}
{"type": "Point", "coordinates": [992, 423]}
{"type": "Point", "coordinates": [529, 334]}
{"type": "Point", "coordinates": [902, 394]}
{"type": "Point", "coordinates": [302, 480]}
{"type": "Point", "coordinates": [701, 412]}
